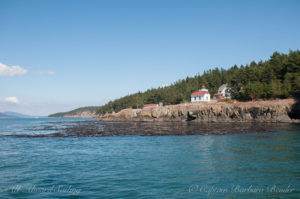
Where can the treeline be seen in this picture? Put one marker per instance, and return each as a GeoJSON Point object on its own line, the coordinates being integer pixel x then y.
{"type": "Point", "coordinates": [278, 77]}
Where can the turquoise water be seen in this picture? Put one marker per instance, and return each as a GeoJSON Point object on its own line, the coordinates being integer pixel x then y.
{"type": "Point", "coordinates": [253, 165]}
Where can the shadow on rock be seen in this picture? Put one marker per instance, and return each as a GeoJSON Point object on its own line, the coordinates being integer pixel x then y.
{"type": "Point", "coordinates": [295, 110]}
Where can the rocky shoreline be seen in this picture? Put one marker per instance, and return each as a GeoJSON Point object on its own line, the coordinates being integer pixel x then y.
{"type": "Point", "coordinates": [254, 111]}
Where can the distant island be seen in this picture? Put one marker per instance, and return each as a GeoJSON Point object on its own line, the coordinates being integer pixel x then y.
{"type": "Point", "coordinates": [4, 116]}
{"type": "Point", "coordinates": [83, 112]}
{"type": "Point", "coordinates": [276, 78]}
{"type": "Point", "coordinates": [7, 115]}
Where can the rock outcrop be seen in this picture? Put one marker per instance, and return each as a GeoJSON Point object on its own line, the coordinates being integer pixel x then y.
{"type": "Point", "coordinates": [254, 111]}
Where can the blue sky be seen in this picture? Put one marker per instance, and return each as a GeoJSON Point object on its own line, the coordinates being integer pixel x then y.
{"type": "Point", "coordinates": [80, 53]}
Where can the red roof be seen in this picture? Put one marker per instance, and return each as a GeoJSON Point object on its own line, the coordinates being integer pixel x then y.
{"type": "Point", "coordinates": [199, 93]}
{"type": "Point", "coordinates": [150, 105]}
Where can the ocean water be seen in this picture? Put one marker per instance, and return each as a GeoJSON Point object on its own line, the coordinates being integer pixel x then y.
{"type": "Point", "coordinates": [249, 165]}
{"type": "Point", "coordinates": [35, 125]}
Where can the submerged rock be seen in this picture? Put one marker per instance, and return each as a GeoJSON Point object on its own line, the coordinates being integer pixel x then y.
{"type": "Point", "coordinates": [101, 129]}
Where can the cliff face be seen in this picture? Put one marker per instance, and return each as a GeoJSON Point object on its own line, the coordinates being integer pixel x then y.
{"type": "Point", "coordinates": [259, 111]}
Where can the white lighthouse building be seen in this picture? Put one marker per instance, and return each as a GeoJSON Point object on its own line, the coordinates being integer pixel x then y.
{"type": "Point", "coordinates": [200, 96]}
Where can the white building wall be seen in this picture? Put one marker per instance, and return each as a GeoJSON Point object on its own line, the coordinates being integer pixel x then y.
{"type": "Point", "coordinates": [206, 97]}
{"type": "Point", "coordinates": [224, 91]}
{"type": "Point", "coordinates": [201, 98]}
